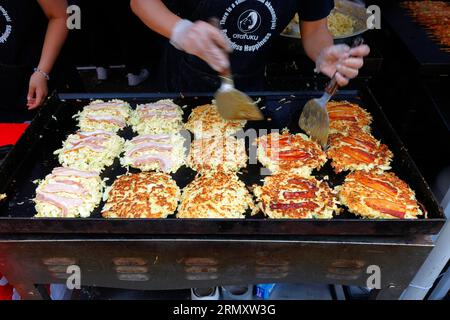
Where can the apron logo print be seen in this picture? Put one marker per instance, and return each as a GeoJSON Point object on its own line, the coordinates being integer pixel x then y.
{"type": "Point", "coordinates": [249, 21]}
{"type": "Point", "coordinates": [255, 26]}
{"type": "Point", "coordinates": [5, 27]}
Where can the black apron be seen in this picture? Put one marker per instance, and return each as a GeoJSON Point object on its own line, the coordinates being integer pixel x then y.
{"type": "Point", "coordinates": [22, 32]}
{"type": "Point", "coordinates": [250, 25]}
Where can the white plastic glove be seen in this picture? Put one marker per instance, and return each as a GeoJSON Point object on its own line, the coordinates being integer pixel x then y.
{"type": "Point", "coordinates": [343, 60]}
{"type": "Point", "coordinates": [202, 40]}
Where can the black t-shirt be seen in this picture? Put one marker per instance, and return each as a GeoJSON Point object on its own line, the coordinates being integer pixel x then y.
{"type": "Point", "coordinates": [22, 32]}
{"type": "Point", "coordinates": [250, 25]}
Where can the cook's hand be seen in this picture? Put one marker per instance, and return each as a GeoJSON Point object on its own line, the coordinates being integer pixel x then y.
{"type": "Point", "coordinates": [204, 41]}
{"type": "Point", "coordinates": [342, 60]}
{"type": "Point", "coordinates": [37, 91]}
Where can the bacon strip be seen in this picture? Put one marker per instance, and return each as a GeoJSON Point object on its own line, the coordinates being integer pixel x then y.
{"type": "Point", "coordinates": [343, 107]}
{"type": "Point", "coordinates": [292, 155]}
{"type": "Point", "coordinates": [368, 145]}
{"type": "Point", "coordinates": [305, 183]}
{"type": "Point", "coordinates": [163, 161]}
{"type": "Point", "coordinates": [92, 139]}
{"type": "Point", "coordinates": [84, 134]}
{"type": "Point", "coordinates": [379, 186]}
{"type": "Point", "coordinates": [150, 138]}
{"type": "Point", "coordinates": [284, 141]}
{"type": "Point", "coordinates": [271, 143]}
{"type": "Point", "coordinates": [109, 119]}
{"type": "Point", "coordinates": [63, 203]}
{"type": "Point", "coordinates": [67, 181]}
{"type": "Point", "coordinates": [338, 117]}
{"type": "Point", "coordinates": [61, 171]}
{"type": "Point", "coordinates": [82, 144]}
{"type": "Point", "coordinates": [55, 187]}
{"type": "Point", "coordinates": [299, 194]}
{"type": "Point", "coordinates": [165, 115]}
{"type": "Point", "coordinates": [104, 105]}
{"type": "Point", "coordinates": [156, 106]}
{"type": "Point", "coordinates": [298, 205]}
{"type": "Point", "coordinates": [149, 146]}
{"type": "Point", "coordinates": [358, 154]}
{"type": "Point", "coordinates": [387, 207]}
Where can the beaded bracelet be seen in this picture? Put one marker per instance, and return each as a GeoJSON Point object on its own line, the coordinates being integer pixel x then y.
{"type": "Point", "coordinates": [45, 74]}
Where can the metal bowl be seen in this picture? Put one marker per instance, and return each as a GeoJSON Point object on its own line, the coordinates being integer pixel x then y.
{"type": "Point", "coordinates": [355, 10]}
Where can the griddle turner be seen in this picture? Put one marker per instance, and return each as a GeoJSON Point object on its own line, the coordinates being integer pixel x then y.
{"type": "Point", "coordinates": [314, 119]}
{"type": "Point", "coordinates": [233, 104]}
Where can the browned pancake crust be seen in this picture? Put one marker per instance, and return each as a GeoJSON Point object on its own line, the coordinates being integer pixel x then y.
{"type": "Point", "coordinates": [289, 196]}
{"type": "Point", "coordinates": [345, 115]}
{"type": "Point", "coordinates": [215, 195]}
{"type": "Point", "coordinates": [205, 122]}
{"type": "Point", "coordinates": [357, 150]}
{"type": "Point", "coordinates": [378, 194]}
{"type": "Point", "coordinates": [219, 153]}
{"type": "Point", "coordinates": [287, 152]}
{"type": "Point", "coordinates": [142, 195]}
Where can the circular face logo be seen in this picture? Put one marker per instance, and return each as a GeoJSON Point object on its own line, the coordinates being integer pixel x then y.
{"type": "Point", "coordinates": [249, 21]}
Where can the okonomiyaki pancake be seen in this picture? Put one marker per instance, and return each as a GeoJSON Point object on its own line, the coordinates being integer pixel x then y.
{"type": "Point", "coordinates": [142, 195]}
{"type": "Point", "coordinates": [90, 150]}
{"type": "Point", "coordinates": [357, 150]}
{"type": "Point", "coordinates": [205, 122]}
{"type": "Point", "coordinates": [107, 116]}
{"type": "Point", "coordinates": [163, 116]}
{"type": "Point", "coordinates": [295, 153]}
{"type": "Point", "coordinates": [68, 193]}
{"type": "Point", "coordinates": [219, 153]}
{"type": "Point", "coordinates": [290, 196]}
{"type": "Point", "coordinates": [215, 195]}
{"type": "Point", "coordinates": [345, 115]}
{"type": "Point", "coordinates": [378, 194]}
{"type": "Point", "coordinates": [159, 152]}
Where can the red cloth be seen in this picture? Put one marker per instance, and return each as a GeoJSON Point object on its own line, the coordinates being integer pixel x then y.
{"type": "Point", "coordinates": [6, 290]}
{"type": "Point", "coordinates": [11, 132]}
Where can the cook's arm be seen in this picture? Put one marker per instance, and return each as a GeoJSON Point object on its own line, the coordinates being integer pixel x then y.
{"type": "Point", "coordinates": [197, 38]}
{"type": "Point", "coordinates": [329, 58]}
{"type": "Point", "coordinates": [55, 11]}
{"type": "Point", "coordinates": [315, 37]}
{"type": "Point", "coordinates": [156, 16]}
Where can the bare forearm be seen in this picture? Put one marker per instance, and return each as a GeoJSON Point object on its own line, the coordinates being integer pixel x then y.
{"type": "Point", "coordinates": [315, 38]}
{"type": "Point", "coordinates": [54, 40]}
{"type": "Point", "coordinates": [155, 15]}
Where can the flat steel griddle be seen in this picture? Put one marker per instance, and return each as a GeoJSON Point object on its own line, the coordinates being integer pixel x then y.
{"type": "Point", "coordinates": [32, 158]}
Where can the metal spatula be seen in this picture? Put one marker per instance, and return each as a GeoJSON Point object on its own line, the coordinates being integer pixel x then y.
{"type": "Point", "coordinates": [233, 104]}
{"type": "Point", "coordinates": [314, 119]}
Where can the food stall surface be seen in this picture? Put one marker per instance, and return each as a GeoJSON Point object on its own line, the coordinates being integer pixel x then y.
{"type": "Point", "coordinates": [55, 122]}
{"type": "Point", "coordinates": [175, 254]}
